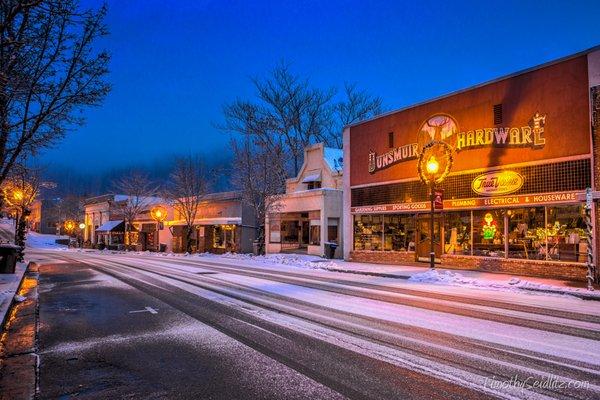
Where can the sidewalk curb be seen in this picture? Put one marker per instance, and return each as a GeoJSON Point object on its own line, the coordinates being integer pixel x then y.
{"type": "Point", "coordinates": [19, 361]}
{"type": "Point", "coordinates": [581, 295]}
{"type": "Point", "coordinates": [12, 301]}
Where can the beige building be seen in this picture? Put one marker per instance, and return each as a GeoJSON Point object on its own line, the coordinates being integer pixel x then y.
{"type": "Point", "coordinates": [309, 215]}
{"type": "Point", "coordinates": [105, 224]}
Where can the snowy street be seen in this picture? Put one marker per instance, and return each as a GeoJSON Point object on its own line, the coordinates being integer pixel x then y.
{"type": "Point", "coordinates": [144, 325]}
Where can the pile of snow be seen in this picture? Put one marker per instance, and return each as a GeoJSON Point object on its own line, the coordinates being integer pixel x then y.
{"type": "Point", "coordinates": [513, 284]}
{"type": "Point", "coordinates": [41, 241]}
{"type": "Point", "coordinates": [293, 260]}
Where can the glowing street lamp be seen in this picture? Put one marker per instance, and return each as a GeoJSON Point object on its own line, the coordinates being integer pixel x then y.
{"type": "Point", "coordinates": [69, 226]}
{"type": "Point", "coordinates": [435, 161]}
{"type": "Point", "coordinates": [432, 166]}
{"type": "Point", "coordinates": [159, 214]}
{"type": "Point", "coordinates": [82, 226]}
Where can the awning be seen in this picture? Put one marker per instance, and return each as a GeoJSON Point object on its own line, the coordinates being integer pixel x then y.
{"type": "Point", "coordinates": [210, 221]}
{"type": "Point", "coordinates": [312, 178]}
{"type": "Point", "coordinates": [111, 226]}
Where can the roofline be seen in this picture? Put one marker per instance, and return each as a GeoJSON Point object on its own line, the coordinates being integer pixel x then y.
{"type": "Point", "coordinates": [479, 85]}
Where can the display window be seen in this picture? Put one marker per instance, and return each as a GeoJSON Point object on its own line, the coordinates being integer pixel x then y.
{"type": "Point", "coordinates": [457, 233]}
{"type": "Point", "coordinates": [368, 232]}
{"type": "Point", "coordinates": [566, 234]}
{"type": "Point", "coordinates": [488, 233]}
{"type": "Point", "coordinates": [526, 233]}
{"type": "Point", "coordinates": [399, 232]}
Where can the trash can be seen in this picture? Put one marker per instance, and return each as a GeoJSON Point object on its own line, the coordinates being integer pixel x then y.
{"type": "Point", "coordinates": [162, 247]}
{"type": "Point", "coordinates": [330, 249]}
{"type": "Point", "coordinates": [257, 248]}
{"type": "Point", "coordinates": [8, 258]}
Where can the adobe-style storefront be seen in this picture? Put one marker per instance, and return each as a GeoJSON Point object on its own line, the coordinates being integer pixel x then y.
{"type": "Point", "coordinates": [513, 200]}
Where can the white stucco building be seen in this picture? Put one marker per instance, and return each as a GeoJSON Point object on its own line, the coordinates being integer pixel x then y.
{"type": "Point", "coordinates": [310, 213]}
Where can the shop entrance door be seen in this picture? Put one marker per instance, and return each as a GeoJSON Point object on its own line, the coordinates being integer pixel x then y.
{"type": "Point", "coordinates": [305, 234]}
{"type": "Point", "coordinates": [423, 237]}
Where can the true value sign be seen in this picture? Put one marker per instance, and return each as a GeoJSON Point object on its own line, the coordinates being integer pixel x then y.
{"type": "Point", "coordinates": [497, 183]}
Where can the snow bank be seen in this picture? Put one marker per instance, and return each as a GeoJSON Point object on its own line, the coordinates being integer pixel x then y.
{"type": "Point", "coordinates": [40, 241]}
{"type": "Point", "coordinates": [513, 284]}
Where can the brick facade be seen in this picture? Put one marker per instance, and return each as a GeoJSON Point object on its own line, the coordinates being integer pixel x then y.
{"type": "Point", "coordinates": [544, 269]}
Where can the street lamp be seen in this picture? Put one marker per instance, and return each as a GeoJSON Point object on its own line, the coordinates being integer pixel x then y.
{"type": "Point", "coordinates": [159, 214]}
{"type": "Point", "coordinates": [69, 226]}
{"type": "Point", "coordinates": [435, 161]}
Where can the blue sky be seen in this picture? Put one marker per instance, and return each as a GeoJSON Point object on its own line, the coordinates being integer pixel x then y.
{"type": "Point", "coordinates": [175, 63]}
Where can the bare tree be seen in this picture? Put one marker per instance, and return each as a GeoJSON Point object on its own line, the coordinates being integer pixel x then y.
{"type": "Point", "coordinates": [188, 185]}
{"type": "Point", "coordinates": [259, 173]}
{"type": "Point", "coordinates": [50, 70]}
{"type": "Point", "coordinates": [288, 114]}
{"type": "Point", "coordinates": [19, 190]}
{"type": "Point", "coordinates": [67, 207]}
{"type": "Point", "coordinates": [139, 194]}
{"type": "Point", "coordinates": [357, 105]}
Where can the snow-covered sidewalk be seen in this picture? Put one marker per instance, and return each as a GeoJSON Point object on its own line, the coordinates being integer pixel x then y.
{"type": "Point", "coordinates": [9, 285]}
{"type": "Point", "coordinates": [415, 274]}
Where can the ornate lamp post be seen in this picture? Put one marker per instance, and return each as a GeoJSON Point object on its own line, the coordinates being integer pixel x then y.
{"type": "Point", "coordinates": [435, 161]}
{"type": "Point", "coordinates": [159, 214]}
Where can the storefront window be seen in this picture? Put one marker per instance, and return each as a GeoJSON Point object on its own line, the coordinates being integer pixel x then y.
{"type": "Point", "coordinates": [224, 237]}
{"type": "Point", "coordinates": [290, 231]}
{"type": "Point", "coordinates": [368, 230]}
{"type": "Point", "coordinates": [315, 234]}
{"type": "Point", "coordinates": [332, 230]}
{"type": "Point", "coordinates": [526, 234]}
{"type": "Point", "coordinates": [457, 233]}
{"type": "Point", "coordinates": [399, 232]}
{"type": "Point", "coordinates": [488, 233]}
{"type": "Point", "coordinates": [566, 233]}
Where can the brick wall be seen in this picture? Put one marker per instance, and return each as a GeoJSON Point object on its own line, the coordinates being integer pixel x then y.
{"type": "Point", "coordinates": [544, 269]}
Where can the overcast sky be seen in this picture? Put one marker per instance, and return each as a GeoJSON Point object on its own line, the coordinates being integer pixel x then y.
{"type": "Point", "coordinates": [175, 63]}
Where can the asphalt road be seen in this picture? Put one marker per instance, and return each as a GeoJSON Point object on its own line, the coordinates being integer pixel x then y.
{"type": "Point", "coordinates": [122, 326]}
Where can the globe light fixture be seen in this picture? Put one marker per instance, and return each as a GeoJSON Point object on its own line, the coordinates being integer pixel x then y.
{"type": "Point", "coordinates": [433, 166]}
{"type": "Point", "coordinates": [158, 213]}
{"type": "Point", "coordinates": [82, 226]}
{"type": "Point", "coordinates": [69, 225]}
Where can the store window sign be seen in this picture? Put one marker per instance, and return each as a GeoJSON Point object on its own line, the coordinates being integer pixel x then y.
{"type": "Point", "coordinates": [497, 183]}
{"type": "Point", "coordinates": [442, 126]}
{"type": "Point", "coordinates": [489, 226]}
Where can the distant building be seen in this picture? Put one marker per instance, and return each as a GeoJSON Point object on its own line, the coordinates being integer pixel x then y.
{"type": "Point", "coordinates": [105, 223]}
{"type": "Point", "coordinates": [310, 213]}
{"type": "Point", "coordinates": [223, 224]}
{"type": "Point", "coordinates": [44, 217]}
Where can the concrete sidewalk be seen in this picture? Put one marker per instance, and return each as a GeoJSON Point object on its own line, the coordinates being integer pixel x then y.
{"type": "Point", "coordinates": [479, 278]}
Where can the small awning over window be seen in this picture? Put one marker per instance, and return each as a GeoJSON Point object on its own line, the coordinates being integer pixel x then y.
{"type": "Point", "coordinates": [112, 226]}
{"type": "Point", "coordinates": [312, 178]}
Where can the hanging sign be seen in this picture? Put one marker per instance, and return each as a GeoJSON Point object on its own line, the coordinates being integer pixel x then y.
{"type": "Point", "coordinates": [438, 199]}
{"type": "Point", "coordinates": [497, 183]}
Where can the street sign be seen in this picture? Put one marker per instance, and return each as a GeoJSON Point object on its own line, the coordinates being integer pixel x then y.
{"type": "Point", "coordinates": [589, 198]}
{"type": "Point", "coordinates": [438, 199]}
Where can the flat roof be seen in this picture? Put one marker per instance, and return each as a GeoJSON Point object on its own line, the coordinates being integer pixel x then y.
{"type": "Point", "coordinates": [512, 75]}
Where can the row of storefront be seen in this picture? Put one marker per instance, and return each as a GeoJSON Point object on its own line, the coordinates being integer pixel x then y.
{"type": "Point", "coordinates": [522, 159]}
{"type": "Point", "coordinates": [223, 224]}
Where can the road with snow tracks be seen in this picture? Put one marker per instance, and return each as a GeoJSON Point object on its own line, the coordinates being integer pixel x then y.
{"type": "Point", "coordinates": [145, 326]}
